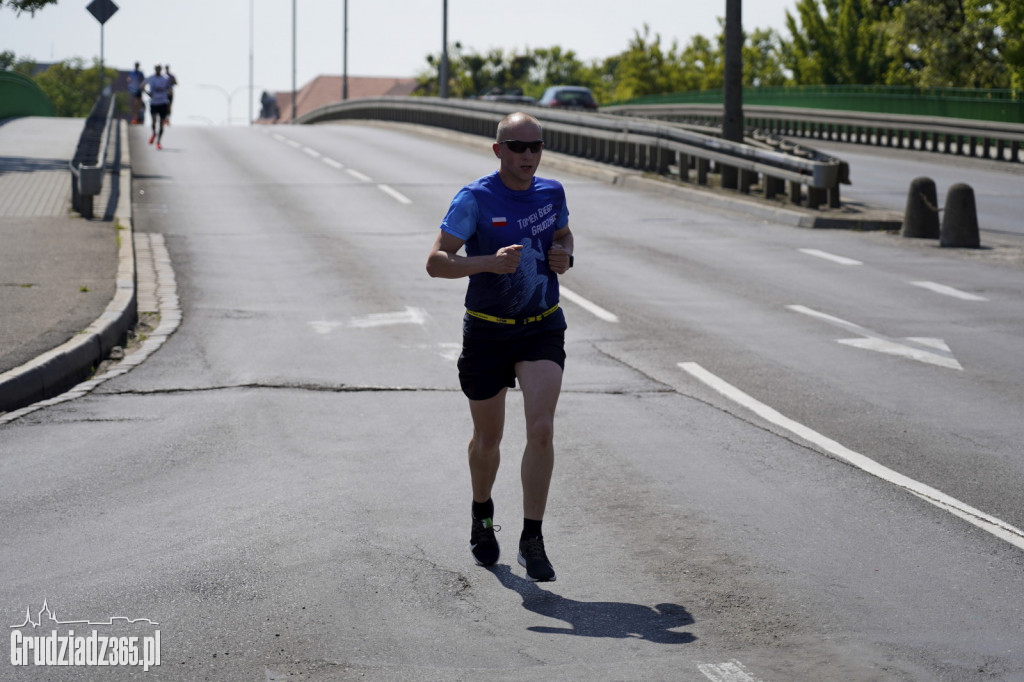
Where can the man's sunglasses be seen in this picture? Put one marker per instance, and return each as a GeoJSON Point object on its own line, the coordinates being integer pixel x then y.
{"type": "Point", "coordinates": [519, 146]}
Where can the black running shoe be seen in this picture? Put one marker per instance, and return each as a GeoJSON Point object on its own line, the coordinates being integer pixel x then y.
{"type": "Point", "coordinates": [533, 558]}
{"type": "Point", "coordinates": [482, 542]}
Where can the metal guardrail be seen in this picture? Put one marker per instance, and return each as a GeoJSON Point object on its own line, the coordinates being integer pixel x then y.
{"type": "Point", "coordinates": [976, 104]}
{"type": "Point", "coordinates": [962, 137]}
{"type": "Point", "coordinates": [90, 160]}
{"type": "Point", "coordinates": [638, 143]}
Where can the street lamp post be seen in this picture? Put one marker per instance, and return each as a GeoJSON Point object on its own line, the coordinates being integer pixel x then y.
{"type": "Point", "coordinates": [444, 52]}
{"type": "Point", "coordinates": [250, 60]}
{"type": "Point", "coordinates": [344, 52]}
{"type": "Point", "coordinates": [228, 95]}
{"type": "Point", "coordinates": [732, 119]}
{"type": "Point", "coordinates": [294, 90]}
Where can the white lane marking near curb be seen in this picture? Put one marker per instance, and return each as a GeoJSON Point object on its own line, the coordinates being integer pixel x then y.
{"type": "Point", "coordinates": [842, 260]}
{"type": "Point", "coordinates": [312, 152]}
{"type": "Point", "coordinates": [331, 162]}
{"type": "Point", "coordinates": [986, 522]}
{"type": "Point", "coordinates": [949, 291]}
{"type": "Point", "coordinates": [731, 671]}
{"type": "Point", "coordinates": [592, 308]}
{"type": "Point", "coordinates": [395, 194]}
{"type": "Point", "coordinates": [357, 175]}
{"type": "Point", "coordinates": [927, 350]}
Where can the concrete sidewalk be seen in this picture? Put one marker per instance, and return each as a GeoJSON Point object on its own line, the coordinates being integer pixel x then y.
{"type": "Point", "coordinates": [66, 283]}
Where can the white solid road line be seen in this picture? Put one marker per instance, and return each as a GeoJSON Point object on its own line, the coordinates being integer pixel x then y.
{"type": "Point", "coordinates": [592, 308]}
{"type": "Point", "coordinates": [989, 524]}
{"type": "Point", "coordinates": [842, 260]}
{"type": "Point", "coordinates": [949, 291]}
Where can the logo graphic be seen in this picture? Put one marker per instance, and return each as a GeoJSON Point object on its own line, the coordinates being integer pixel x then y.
{"type": "Point", "coordinates": [499, 222]}
{"type": "Point", "coordinates": [92, 649]}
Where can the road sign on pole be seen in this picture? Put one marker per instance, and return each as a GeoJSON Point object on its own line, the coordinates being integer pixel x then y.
{"type": "Point", "coordinates": [102, 10]}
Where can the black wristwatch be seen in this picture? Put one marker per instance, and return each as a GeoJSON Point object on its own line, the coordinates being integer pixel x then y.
{"type": "Point", "coordinates": [570, 260]}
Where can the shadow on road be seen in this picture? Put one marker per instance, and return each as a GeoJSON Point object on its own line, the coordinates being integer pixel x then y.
{"type": "Point", "coordinates": [616, 620]}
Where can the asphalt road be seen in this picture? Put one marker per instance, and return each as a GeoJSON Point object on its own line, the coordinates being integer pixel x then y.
{"type": "Point", "coordinates": [783, 454]}
{"type": "Point", "coordinates": [881, 177]}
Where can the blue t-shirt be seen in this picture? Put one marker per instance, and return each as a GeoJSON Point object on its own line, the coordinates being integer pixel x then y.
{"type": "Point", "coordinates": [487, 216]}
{"type": "Point", "coordinates": [136, 79]}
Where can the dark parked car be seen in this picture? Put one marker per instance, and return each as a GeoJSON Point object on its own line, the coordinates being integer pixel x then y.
{"type": "Point", "coordinates": [497, 94]}
{"type": "Point", "coordinates": [568, 97]}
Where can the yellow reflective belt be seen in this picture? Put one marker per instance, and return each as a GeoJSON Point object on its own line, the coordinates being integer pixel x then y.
{"type": "Point", "coordinates": [512, 320]}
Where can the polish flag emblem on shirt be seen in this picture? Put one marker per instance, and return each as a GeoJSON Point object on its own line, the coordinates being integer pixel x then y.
{"type": "Point", "coordinates": [499, 222]}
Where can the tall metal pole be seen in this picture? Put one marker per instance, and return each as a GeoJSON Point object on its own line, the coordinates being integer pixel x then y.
{"type": "Point", "coordinates": [444, 53]}
{"type": "Point", "coordinates": [344, 54]}
{"type": "Point", "coordinates": [732, 119]}
{"type": "Point", "coordinates": [250, 61]}
{"type": "Point", "coordinates": [101, 59]}
{"type": "Point", "coordinates": [294, 90]}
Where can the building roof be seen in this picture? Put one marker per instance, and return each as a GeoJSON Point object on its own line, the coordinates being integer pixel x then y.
{"type": "Point", "coordinates": [324, 90]}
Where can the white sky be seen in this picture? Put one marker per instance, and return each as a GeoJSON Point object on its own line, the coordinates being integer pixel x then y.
{"type": "Point", "coordinates": [208, 41]}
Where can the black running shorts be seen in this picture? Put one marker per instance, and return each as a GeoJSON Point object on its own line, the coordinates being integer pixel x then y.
{"type": "Point", "coordinates": [488, 365]}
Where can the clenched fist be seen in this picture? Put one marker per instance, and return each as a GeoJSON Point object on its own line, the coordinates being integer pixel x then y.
{"type": "Point", "coordinates": [558, 259]}
{"type": "Point", "coordinates": [507, 259]}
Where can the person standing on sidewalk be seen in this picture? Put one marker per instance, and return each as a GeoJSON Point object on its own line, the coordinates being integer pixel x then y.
{"type": "Point", "coordinates": [515, 229]}
{"type": "Point", "coordinates": [157, 87]}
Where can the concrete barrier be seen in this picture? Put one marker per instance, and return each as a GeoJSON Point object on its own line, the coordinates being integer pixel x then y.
{"type": "Point", "coordinates": [960, 219]}
{"type": "Point", "coordinates": [921, 217]}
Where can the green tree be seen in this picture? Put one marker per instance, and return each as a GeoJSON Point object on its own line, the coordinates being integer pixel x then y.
{"type": "Point", "coordinates": [1009, 19]}
{"type": "Point", "coordinates": [71, 87]}
{"type": "Point", "coordinates": [646, 68]}
{"type": "Point", "coordinates": [949, 43]}
{"type": "Point", "coordinates": [30, 6]}
{"type": "Point", "coordinates": [838, 42]}
{"type": "Point", "coordinates": [762, 59]}
{"type": "Point", "coordinates": [703, 64]}
{"type": "Point", "coordinates": [555, 66]}
{"type": "Point", "coordinates": [472, 73]}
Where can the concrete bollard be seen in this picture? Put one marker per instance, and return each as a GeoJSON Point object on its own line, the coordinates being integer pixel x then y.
{"type": "Point", "coordinates": [921, 218]}
{"type": "Point", "coordinates": [960, 219]}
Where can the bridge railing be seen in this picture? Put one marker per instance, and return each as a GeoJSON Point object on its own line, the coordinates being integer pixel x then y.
{"type": "Point", "coordinates": [90, 160]}
{"type": "Point", "coordinates": [961, 137]}
{"type": "Point", "coordinates": [637, 143]}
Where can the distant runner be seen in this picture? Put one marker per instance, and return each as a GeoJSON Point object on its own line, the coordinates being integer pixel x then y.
{"type": "Point", "coordinates": [158, 87]}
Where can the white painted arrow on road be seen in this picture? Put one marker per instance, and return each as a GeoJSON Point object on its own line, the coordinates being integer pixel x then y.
{"type": "Point", "coordinates": [408, 316]}
{"type": "Point", "coordinates": [923, 349]}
